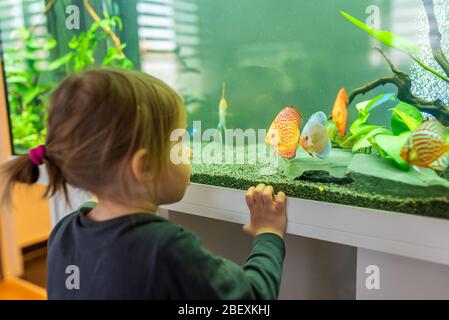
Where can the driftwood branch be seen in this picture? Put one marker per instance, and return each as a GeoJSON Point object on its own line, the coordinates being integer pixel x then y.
{"type": "Point", "coordinates": [435, 36]}
{"type": "Point", "coordinates": [115, 39]}
{"type": "Point", "coordinates": [403, 84]}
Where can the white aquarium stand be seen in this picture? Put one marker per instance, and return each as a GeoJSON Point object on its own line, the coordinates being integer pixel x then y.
{"type": "Point", "coordinates": [411, 252]}
{"type": "Point", "coordinates": [329, 246]}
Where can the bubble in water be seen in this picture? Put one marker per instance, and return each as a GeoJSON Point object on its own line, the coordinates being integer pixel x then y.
{"type": "Point", "coordinates": [425, 84]}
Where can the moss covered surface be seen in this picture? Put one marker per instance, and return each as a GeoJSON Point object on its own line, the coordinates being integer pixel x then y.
{"type": "Point", "coordinates": [242, 176]}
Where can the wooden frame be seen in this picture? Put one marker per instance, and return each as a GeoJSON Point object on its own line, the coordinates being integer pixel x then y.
{"type": "Point", "coordinates": [10, 264]}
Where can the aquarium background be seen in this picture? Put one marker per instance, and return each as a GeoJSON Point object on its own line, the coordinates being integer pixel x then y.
{"type": "Point", "coordinates": [269, 53]}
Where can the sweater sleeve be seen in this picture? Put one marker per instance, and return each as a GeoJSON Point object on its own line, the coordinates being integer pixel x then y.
{"type": "Point", "coordinates": [192, 272]}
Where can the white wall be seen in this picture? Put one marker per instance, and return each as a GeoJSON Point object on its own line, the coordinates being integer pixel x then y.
{"type": "Point", "coordinates": [313, 269]}
{"type": "Point", "coordinates": [401, 277]}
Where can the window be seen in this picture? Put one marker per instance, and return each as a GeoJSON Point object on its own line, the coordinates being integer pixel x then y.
{"type": "Point", "coordinates": [168, 32]}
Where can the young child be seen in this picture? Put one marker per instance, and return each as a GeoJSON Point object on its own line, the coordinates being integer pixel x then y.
{"type": "Point", "coordinates": [109, 133]}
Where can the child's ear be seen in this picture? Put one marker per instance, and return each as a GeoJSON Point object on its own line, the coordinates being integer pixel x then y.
{"type": "Point", "coordinates": [139, 169]}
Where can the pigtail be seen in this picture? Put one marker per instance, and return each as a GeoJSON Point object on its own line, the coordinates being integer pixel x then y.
{"type": "Point", "coordinates": [56, 181]}
{"type": "Point", "coordinates": [19, 170]}
{"type": "Point", "coordinates": [22, 169]}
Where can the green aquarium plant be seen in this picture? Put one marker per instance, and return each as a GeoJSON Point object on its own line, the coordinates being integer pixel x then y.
{"type": "Point", "coordinates": [84, 46]}
{"type": "Point", "coordinates": [365, 137]}
{"type": "Point", "coordinates": [388, 143]}
{"type": "Point", "coordinates": [405, 118]}
{"type": "Point", "coordinates": [400, 79]}
{"type": "Point", "coordinates": [394, 41]}
{"type": "Point", "coordinates": [28, 76]}
{"type": "Point", "coordinates": [30, 68]}
{"type": "Point", "coordinates": [361, 131]}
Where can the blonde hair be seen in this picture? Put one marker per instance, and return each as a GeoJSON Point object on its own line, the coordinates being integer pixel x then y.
{"type": "Point", "coordinates": [97, 120]}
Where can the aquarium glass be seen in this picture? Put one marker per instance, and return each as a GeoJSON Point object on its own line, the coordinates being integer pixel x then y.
{"type": "Point", "coordinates": [365, 82]}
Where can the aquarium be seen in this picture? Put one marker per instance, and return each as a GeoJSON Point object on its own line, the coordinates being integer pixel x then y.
{"type": "Point", "coordinates": [338, 101]}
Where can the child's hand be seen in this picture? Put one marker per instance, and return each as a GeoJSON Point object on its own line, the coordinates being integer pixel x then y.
{"type": "Point", "coordinates": [267, 211]}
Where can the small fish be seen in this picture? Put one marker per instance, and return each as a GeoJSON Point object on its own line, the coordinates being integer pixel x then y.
{"type": "Point", "coordinates": [428, 116]}
{"type": "Point", "coordinates": [314, 137]}
{"type": "Point", "coordinates": [222, 109]}
{"type": "Point", "coordinates": [428, 146]}
{"type": "Point", "coordinates": [340, 112]}
{"type": "Point", "coordinates": [284, 132]}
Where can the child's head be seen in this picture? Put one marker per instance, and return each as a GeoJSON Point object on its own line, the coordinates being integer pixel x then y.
{"type": "Point", "coordinates": [109, 133]}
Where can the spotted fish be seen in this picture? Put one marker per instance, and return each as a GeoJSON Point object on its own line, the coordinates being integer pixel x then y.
{"type": "Point", "coordinates": [428, 146]}
{"type": "Point", "coordinates": [284, 132]}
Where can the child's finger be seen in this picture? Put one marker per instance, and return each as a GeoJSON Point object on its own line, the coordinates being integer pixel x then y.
{"type": "Point", "coordinates": [280, 202]}
{"type": "Point", "coordinates": [258, 194]}
{"type": "Point", "coordinates": [249, 197]}
{"type": "Point", "coordinates": [268, 195]}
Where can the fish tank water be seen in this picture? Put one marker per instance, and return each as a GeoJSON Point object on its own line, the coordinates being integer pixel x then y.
{"type": "Point", "coordinates": [337, 101]}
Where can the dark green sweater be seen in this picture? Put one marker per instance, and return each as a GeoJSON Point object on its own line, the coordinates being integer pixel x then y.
{"type": "Point", "coordinates": [143, 256]}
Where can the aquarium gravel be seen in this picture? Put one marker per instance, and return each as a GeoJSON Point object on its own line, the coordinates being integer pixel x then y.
{"type": "Point", "coordinates": [243, 176]}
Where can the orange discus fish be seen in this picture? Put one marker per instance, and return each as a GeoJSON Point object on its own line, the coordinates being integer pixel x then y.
{"type": "Point", "coordinates": [340, 112]}
{"type": "Point", "coordinates": [284, 132]}
{"type": "Point", "coordinates": [428, 146]}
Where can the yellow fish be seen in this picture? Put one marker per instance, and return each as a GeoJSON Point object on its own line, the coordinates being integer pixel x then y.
{"type": "Point", "coordinates": [428, 146]}
{"type": "Point", "coordinates": [340, 112]}
{"type": "Point", "coordinates": [222, 109]}
{"type": "Point", "coordinates": [314, 137]}
{"type": "Point", "coordinates": [284, 132]}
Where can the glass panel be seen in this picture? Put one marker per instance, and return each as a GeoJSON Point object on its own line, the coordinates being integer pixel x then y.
{"type": "Point", "coordinates": [260, 56]}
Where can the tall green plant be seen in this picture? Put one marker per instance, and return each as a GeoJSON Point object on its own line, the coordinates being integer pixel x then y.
{"type": "Point", "coordinates": [394, 41]}
{"type": "Point", "coordinates": [28, 76]}
{"type": "Point", "coordinates": [29, 72]}
{"type": "Point", "coordinates": [366, 137]}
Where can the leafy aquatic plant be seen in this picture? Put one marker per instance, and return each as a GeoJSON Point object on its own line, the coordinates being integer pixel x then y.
{"type": "Point", "coordinates": [29, 75]}
{"type": "Point", "coordinates": [394, 41]}
{"type": "Point", "coordinates": [401, 79]}
{"type": "Point", "coordinates": [29, 81]}
{"type": "Point", "coordinates": [405, 118]}
{"type": "Point", "coordinates": [362, 133]}
{"type": "Point", "coordinates": [366, 137]}
{"type": "Point", "coordinates": [84, 46]}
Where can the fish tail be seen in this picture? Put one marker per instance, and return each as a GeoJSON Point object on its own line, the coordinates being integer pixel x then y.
{"type": "Point", "coordinates": [441, 163]}
{"type": "Point", "coordinates": [221, 121]}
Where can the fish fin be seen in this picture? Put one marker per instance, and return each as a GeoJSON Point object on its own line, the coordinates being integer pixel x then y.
{"type": "Point", "coordinates": [223, 89]}
{"type": "Point", "coordinates": [222, 121]}
{"type": "Point", "coordinates": [441, 163]}
{"type": "Point", "coordinates": [417, 169]}
{"type": "Point", "coordinates": [327, 149]}
{"type": "Point", "coordinates": [319, 117]}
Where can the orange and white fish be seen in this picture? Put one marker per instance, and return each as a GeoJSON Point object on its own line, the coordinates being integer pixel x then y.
{"type": "Point", "coordinates": [284, 132]}
{"type": "Point", "coordinates": [314, 137]}
{"type": "Point", "coordinates": [428, 146]}
{"type": "Point", "coordinates": [222, 109]}
{"type": "Point", "coordinates": [340, 112]}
